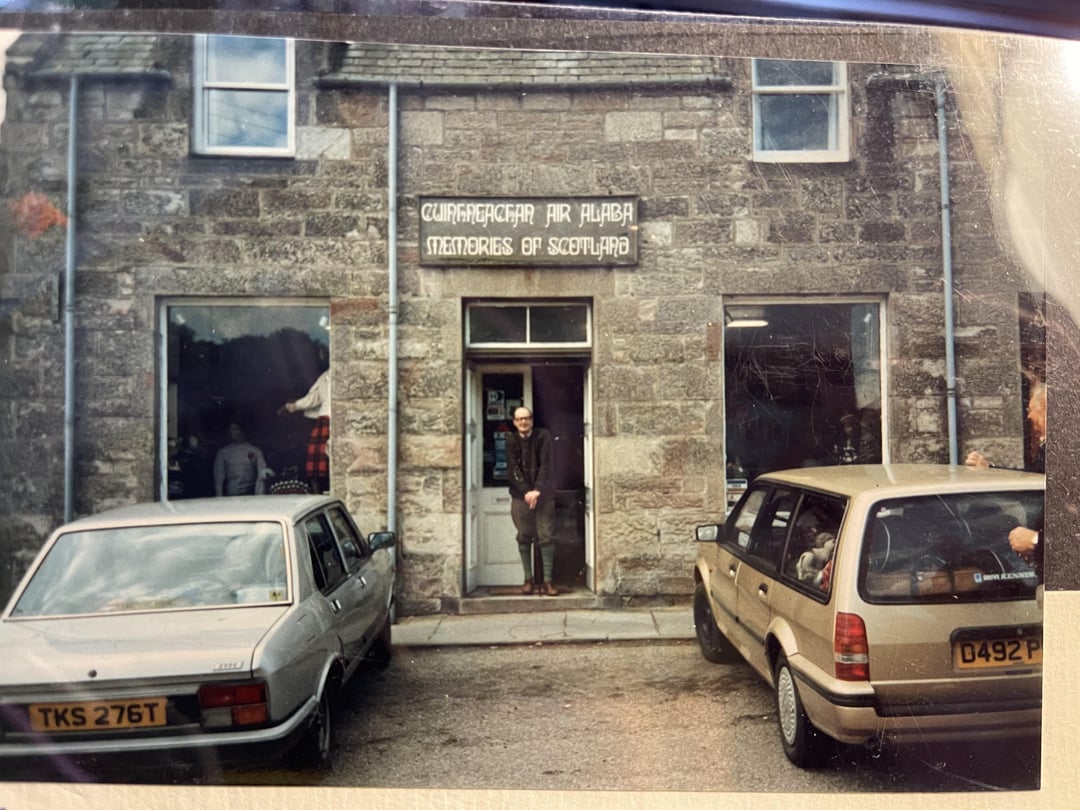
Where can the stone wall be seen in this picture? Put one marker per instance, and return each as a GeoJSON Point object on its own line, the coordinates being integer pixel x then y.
{"type": "Point", "coordinates": [155, 222]}
{"type": "Point", "coordinates": [716, 224]}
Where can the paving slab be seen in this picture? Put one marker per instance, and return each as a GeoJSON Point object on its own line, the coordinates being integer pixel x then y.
{"type": "Point", "coordinates": [544, 627]}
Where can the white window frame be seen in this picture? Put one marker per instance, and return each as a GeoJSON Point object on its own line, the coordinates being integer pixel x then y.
{"type": "Point", "coordinates": [750, 302]}
{"type": "Point", "coordinates": [167, 407]}
{"type": "Point", "coordinates": [203, 87]}
{"type": "Point", "coordinates": [839, 121]}
{"type": "Point", "coordinates": [529, 306]}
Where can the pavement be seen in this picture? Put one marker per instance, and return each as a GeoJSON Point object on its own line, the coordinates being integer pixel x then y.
{"type": "Point", "coordinates": [547, 627]}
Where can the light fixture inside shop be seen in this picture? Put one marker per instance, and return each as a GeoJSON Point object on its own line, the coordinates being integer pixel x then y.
{"type": "Point", "coordinates": [744, 318]}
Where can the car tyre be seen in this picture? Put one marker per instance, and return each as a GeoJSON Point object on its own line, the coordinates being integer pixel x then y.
{"type": "Point", "coordinates": [804, 745]}
{"type": "Point", "coordinates": [315, 749]}
{"type": "Point", "coordinates": [714, 646]}
{"type": "Point", "coordinates": [382, 648]}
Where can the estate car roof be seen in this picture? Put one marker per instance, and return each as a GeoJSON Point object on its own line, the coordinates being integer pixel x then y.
{"type": "Point", "coordinates": [905, 479]}
{"type": "Point", "coordinates": [239, 508]}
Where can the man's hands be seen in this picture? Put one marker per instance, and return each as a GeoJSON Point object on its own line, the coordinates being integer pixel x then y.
{"type": "Point", "coordinates": [1023, 540]}
{"type": "Point", "coordinates": [532, 497]}
{"type": "Point", "coordinates": [977, 460]}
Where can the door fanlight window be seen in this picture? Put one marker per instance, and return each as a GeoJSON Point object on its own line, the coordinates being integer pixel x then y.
{"type": "Point", "coordinates": [519, 325]}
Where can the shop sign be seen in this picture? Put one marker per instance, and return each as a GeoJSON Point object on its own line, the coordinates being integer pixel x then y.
{"type": "Point", "coordinates": [573, 231]}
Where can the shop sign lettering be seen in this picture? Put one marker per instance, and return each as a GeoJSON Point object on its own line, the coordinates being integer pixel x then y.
{"type": "Point", "coordinates": [590, 231]}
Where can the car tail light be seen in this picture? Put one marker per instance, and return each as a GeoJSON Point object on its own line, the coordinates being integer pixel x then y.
{"type": "Point", "coordinates": [234, 704]}
{"type": "Point", "coordinates": [851, 651]}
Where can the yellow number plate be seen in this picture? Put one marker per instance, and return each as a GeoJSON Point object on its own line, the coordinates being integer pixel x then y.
{"type": "Point", "coordinates": [97, 715]}
{"type": "Point", "coordinates": [989, 653]}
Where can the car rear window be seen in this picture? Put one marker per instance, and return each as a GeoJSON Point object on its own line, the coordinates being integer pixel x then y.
{"type": "Point", "coordinates": [158, 568]}
{"type": "Point", "coordinates": [948, 548]}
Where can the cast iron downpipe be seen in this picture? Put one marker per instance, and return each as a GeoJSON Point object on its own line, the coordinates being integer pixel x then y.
{"type": "Point", "coordinates": [69, 308]}
{"type": "Point", "coordinates": [947, 268]}
{"type": "Point", "coordinates": [392, 228]}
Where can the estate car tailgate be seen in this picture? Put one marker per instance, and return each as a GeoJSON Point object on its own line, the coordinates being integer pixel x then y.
{"type": "Point", "coordinates": [951, 657]}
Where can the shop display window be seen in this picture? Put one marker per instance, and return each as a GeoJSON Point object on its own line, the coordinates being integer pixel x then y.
{"type": "Point", "coordinates": [803, 385]}
{"type": "Point", "coordinates": [238, 363]}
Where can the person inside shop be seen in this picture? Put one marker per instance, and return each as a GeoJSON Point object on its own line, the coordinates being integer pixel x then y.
{"type": "Point", "coordinates": [529, 457]}
{"type": "Point", "coordinates": [239, 466]}
{"type": "Point", "coordinates": [315, 405]}
{"type": "Point", "coordinates": [1026, 540]}
{"type": "Point", "coordinates": [846, 450]}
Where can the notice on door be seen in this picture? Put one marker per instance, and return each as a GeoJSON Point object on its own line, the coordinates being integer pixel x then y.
{"type": "Point", "coordinates": [571, 231]}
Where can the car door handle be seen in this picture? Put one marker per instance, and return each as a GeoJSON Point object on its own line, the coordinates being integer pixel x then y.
{"type": "Point", "coordinates": [731, 572]}
{"type": "Point", "coordinates": [335, 605]}
{"type": "Point", "coordinates": [361, 581]}
{"type": "Point", "coordinates": [762, 590]}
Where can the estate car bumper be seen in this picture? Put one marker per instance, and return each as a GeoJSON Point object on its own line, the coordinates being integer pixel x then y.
{"type": "Point", "coordinates": [860, 717]}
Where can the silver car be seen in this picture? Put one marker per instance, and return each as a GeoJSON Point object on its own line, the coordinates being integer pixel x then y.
{"type": "Point", "coordinates": [882, 603]}
{"type": "Point", "coordinates": [220, 627]}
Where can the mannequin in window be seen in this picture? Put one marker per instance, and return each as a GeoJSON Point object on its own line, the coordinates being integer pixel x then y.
{"type": "Point", "coordinates": [239, 466]}
{"type": "Point", "coordinates": [315, 404]}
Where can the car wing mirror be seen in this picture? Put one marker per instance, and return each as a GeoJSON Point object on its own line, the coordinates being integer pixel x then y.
{"type": "Point", "coordinates": [379, 540]}
{"type": "Point", "coordinates": [707, 534]}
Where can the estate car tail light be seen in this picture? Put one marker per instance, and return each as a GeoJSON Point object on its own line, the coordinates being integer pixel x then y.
{"type": "Point", "coordinates": [234, 704]}
{"type": "Point", "coordinates": [851, 651]}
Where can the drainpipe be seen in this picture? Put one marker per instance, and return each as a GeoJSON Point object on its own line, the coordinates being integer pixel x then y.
{"type": "Point", "coordinates": [392, 350]}
{"type": "Point", "coordinates": [392, 231]}
{"type": "Point", "coordinates": [947, 268]}
{"type": "Point", "coordinates": [69, 307]}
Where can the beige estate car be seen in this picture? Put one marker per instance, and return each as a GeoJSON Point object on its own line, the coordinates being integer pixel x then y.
{"type": "Point", "coordinates": [882, 602]}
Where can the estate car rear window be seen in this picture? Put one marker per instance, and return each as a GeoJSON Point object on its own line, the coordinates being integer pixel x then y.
{"type": "Point", "coordinates": [948, 548]}
{"type": "Point", "coordinates": [158, 568]}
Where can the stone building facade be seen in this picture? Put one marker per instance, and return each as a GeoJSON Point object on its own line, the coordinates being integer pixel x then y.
{"type": "Point", "coordinates": [639, 376]}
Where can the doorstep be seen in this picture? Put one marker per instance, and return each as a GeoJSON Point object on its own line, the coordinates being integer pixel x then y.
{"type": "Point", "coordinates": [484, 601]}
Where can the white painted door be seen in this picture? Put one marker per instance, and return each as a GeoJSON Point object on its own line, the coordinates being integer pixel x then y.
{"type": "Point", "coordinates": [587, 454]}
{"type": "Point", "coordinates": [499, 389]}
{"type": "Point", "coordinates": [473, 470]}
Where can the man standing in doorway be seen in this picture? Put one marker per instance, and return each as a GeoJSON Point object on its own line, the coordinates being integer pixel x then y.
{"type": "Point", "coordinates": [532, 499]}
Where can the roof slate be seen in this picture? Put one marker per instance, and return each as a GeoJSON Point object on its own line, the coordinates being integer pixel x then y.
{"type": "Point", "coordinates": [431, 66]}
{"type": "Point", "coordinates": [120, 55]}
{"type": "Point", "coordinates": [103, 55]}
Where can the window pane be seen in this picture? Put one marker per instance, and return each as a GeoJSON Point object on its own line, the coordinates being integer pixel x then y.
{"type": "Point", "coordinates": [804, 385]}
{"type": "Point", "coordinates": [246, 60]}
{"type": "Point", "coordinates": [323, 540]}
{"type": "Point", "coordinates": [497, 325]}
{"type": "Point", "coordinates": [248, 118]}
{"type": "Point", "coordinates": [195, 565]}
{"type": "Point", "coordinates": [813, 541]}
{"type": "Point", "coordinates": [771, 528]}
{"type": "Point", "coordinates": [949, 548]}
{"type": "Point", "coordinates": [797, 122]}
{"type": "Point", "coordinates": [786, 73]}
{"type": "Point", "coordinates": [558, 324]}
{"type": "Point", "coordinates": [239, 363]}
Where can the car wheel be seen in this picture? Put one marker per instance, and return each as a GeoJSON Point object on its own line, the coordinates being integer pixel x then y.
{"type": "Point", "coordinates": [714, 646]}
{"type": "Point", "coordinates": [316, 745]}
{"type": "Point", "coordinates": [804, 745]}
{"type": "Point", "coordinates": [382, 648]}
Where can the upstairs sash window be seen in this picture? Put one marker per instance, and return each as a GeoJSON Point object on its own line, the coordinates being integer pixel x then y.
{"type": "Point", "coordinates": [801, 111]}
{"type": "Point", "coordinates": [245, 96]}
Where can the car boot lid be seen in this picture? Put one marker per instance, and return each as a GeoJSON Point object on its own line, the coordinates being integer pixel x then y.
{"type": "Point", "coordinates": [132, 646]}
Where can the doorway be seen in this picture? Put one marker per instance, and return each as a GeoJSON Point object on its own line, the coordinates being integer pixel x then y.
{"type": "Point", "coordinates": [557, 391]}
